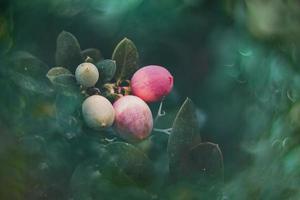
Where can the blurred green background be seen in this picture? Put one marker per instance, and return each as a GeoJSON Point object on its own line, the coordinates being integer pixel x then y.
{"type": "Point", "coordinates": [238, 60]}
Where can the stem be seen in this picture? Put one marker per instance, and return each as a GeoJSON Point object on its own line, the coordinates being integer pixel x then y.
{"type": "Point", "coordinates": [110, 140]}
{"type": "Point", "coordinates": [166, 131]}
{"type": "Point", "coordinates": [160, 112]}
{"type": "Point", "coordinates": [89, 59]}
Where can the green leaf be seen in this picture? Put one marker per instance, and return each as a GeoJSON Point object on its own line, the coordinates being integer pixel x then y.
{"type": "Point", "coordinates": [107, 70]}
{"type": "Point", "coordinates": [126, 57]}
{"type": "Point", "coordinates": [88, 145]}
{"type": "Point", "coordinates": [67, 105]}
{"type": "Point", "coordinates": [31, 85]}
{"type": "Point", "coordinates": [133, 164]}
{"type": "Point", "coordinates": [185, 134]}
{"type": "Point", "coordinates": [201, 173]}
{"type": "Point", "coordinates": [68, 108]}
{"type": "Point", "coordinates": [58, 152]}
{"type": "Point", "coordinates": [90, 182]}
{"type": "Point", "coordinates": [68, 52]}
{"type": "Point", "coordinates": [85, 176]}
{"type": "Point", "coordinates": [57, 71]}
{"type": "Point", "coordinates": [65, 83]}
{"type": "Point", "coordinates": [27, 64]}
{"type": "Point", "coordinates": [95, 54]}
{"type": "Point", "coordinates": [121, 167]}
{"type": "Point", "coordinates": [205, 163]}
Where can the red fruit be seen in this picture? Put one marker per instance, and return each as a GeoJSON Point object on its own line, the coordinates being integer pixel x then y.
{"type": "Point", "coordinates": [152, 83]}
{"type": "Point", "coordinates": [133, 118]}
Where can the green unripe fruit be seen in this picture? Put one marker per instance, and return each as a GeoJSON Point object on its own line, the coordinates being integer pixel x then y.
{"type": "Point", "coordinates": [98, 112]}
{"type": "Point", "coordinates": [87, 74]}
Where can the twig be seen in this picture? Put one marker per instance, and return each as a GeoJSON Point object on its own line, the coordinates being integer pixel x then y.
{"type": "Point", "coordinates": [166, 131]}
{"type": "Point", "coordinates": [160, 112]}
{"type": "Point", "coordinates": [110, 140]}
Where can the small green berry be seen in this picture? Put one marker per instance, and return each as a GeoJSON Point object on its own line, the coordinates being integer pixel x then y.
{"type": "Point", "coordinates": [87, 74]}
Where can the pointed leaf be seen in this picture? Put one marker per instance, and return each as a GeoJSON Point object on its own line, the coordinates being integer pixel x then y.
{"type": "Point", "coordinates": [57, 71]}
{"type": "Point", "coordinates": [84, 178]}
{"type": "Point", "coordinates": [68, 52]}
{"type": "Point", "coordinates": [107, 70]}
{"type": "Point", "coordinates": [68, 108]}
{"type": "Point", "coordinates": [58, 152]}
{"type": "Point", "coordinates": [205, 162]}
{"type": "Point", "coordinates": [131, 161]}
{"type": "Point", "coordinates": [95, 54]}
{"type": "Point", "coordinates": [126, 57]}
{"type": "Point", "coordinates": [27, 64]}
{"type": "Point", "coordinates": [65, 83]}
{"type": "Point", "coordinates": [31, 85]}
{"type": "Point", "coordinates": [89, 182]}
{"type": "Point", "coordinates": [67, 105]}
{"type": "Point", "coordinates": [185, 134]}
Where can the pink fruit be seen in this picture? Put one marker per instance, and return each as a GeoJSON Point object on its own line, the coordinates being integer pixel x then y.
{"type": "Point", "coordinates": [152, 83]}
{"type": "Point", "coordinates": [133, 118]}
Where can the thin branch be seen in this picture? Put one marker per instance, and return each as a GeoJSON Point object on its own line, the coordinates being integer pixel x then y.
{"type": "Point", "coordinates": [288, 94]}
{"type": "Point", "coordinates": [166, 131]}
{"type": "Point", "coordinates": [160, 112]}
{"type": "Point", "coordinates": [110, 140]}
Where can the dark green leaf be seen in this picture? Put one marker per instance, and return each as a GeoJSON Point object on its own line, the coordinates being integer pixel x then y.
{"type": "Point", "coordinates": [130, 161]}
{"type": "Point", "coordinates": [201, 172]}
{"type": "Point", "coordinates": [57, 71]}
{"type": "Point", "coordinates": [89, 182]}
{"type": "Point", "coordinates": [95, 54]}
{"type": "Point", "coordinates": [68, 108]}
{"type": "Point", "coordinates": [68, 52]}
{"type": "Point", "coordinates": [107, 70]}
{"type": "Point", "coordinates": [84, 178]}
{"type": "Point", "coordinates": [89, 146]}
{"type": "Point", "coordinates": [31, 85]}
{"type": "Point", "coordinates": [205, 163]}
{"type": "Point", "coordinates": [126, 57]}
{"type": "Point", "coordinates": [185, 134]}
{"type": "Point", "coordinates": [27, 64]}
{"type": "Point", "coordinates": [67, 105]}
{"type": "Point", "coordinates": [192, 190]}
{"type": "Point", "coordinates": [65, 83]}
{"type": "Point", "coordinates": [57, 153]}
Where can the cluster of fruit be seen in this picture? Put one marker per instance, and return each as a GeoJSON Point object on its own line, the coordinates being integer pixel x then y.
{"type": "Point", "coordinates": [116, 90]}
{"type": "Point", "coordinates": [130, 113]}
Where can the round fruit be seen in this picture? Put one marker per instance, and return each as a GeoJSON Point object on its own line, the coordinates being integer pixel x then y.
{"type": "Point", "coordinates": [152, 83]}
{"type": "Point", "coordinates": [87, 74]}
{"type": "Point", "coordinates": [133, 119]}
{"type": "Point", "coordinates": [98, 112]}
